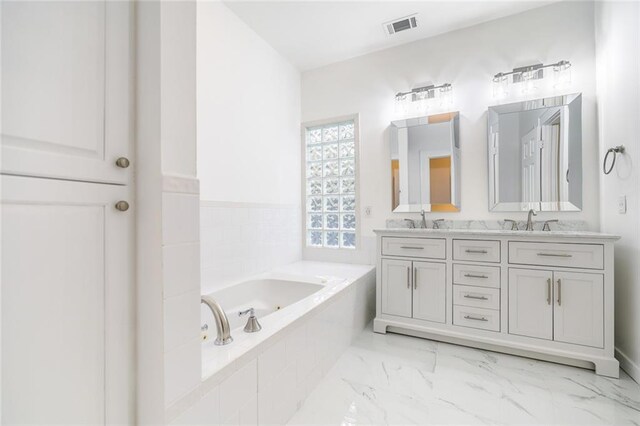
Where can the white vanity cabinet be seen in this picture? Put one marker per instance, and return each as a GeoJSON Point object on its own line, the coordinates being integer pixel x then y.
{"type": "Point", "coordinates": [414, 289]}
{"type": "Point", "coordinates": [553, 305]}
{"type": "Point", "coordinates": [547, 295]}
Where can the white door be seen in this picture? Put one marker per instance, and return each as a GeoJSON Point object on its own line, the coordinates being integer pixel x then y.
{"type": "Point", "coordinates": [531, 166]}
{"type": "Point", "coordinates": [396, 287]}
{"type": "Point", "coordinates": [67, 312]}
{"type": "Point", "coordinates": [429, 291]}
{"type": "Point", "coordinates": [66, 89]}
{"type": "Point", "coordinates": [579, 308]}
{"type": "Point", "coordinates": [531, 303]}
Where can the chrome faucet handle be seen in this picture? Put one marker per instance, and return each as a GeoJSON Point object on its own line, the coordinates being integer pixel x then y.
{"type": "Point", "coordinates": [546, 226]}
{"type": "Point", "coordinates": [514, 224]}
{"type": "Point", "coordinates": [252, 323]}
{"type": "Point", "coordinates": [412, 224]}
{"type": "Point", "coordinates": [436, 223]}
{"type": "Point", "coordinates": [249, 311]}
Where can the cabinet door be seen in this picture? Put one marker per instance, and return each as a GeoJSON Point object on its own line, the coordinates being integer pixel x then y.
{"type": "Point", "coordinates": [67, 314]}
{"type": "Point", "coordinates": [66, 89]}
{"type": "Point", "coordinates": [579, 308]}
{"type": "Point", "coordinates": [396, 287]}
{"type": "Point", "coordinates": [530, 303]}
{"type": "Point", "coordinates": [429, 291]}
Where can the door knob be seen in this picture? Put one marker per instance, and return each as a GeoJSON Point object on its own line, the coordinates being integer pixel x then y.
{"type": "Point", "coordinates": [123, 206]}
{"type": "Point", "coordinates": [123, 162]}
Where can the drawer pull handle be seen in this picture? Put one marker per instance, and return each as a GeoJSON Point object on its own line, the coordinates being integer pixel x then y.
{"type": "Point", "coordinates": [468, 296]}
{"type": "Point", "coordinates": [476, 251]}
{"type": "Point", "coordinates": [555, 255]}
{"type": "Point", "coordinates": [412, 247]}
{"type": "Point", "coordinates": [476, 276]}
{"type": "Point", "coordinates": [469, 317]}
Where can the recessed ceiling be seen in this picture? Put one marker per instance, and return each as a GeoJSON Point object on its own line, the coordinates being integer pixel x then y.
{"type": "Point", "coordinates": [311, 34]}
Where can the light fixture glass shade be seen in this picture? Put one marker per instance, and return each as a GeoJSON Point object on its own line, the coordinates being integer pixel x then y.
{"type": "Point", "coordinates": [500, 86]}
{"type": "Point", "coordinates": [402, 105]}
{"type": "Point", "coordinates": [562, 75]}
{"type": "Point", "coordinates": [529, 81]}
{"type": "Point", "coordinates": [446, 96]}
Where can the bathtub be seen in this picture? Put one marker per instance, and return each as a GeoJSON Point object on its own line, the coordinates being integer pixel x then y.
{"type": "Point", "coordinates": [309, 312]}
{"type": "Point", "coordinates": [266, 295]}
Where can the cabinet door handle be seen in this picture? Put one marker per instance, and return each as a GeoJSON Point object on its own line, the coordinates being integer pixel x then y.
{"type": "Point", "coordinates": [122, 162]}
{"type": "Point", "coordinates": [122, 206]}
{"type": "Point", "coordinates": [412, 247]}
{"type": "Point", "coordinates": [469, 317]}
{"type": "Point", "coordinates": [415, 278]}
{"type": "Point", "coordinates": [548, 291]}
{"type": "Point", "coordinates": [475, 276]}
{"type": "Point", "coordinates": [476, 251]}
{"type": "Point", "coordinates": [555, 254]}
{"type": "Point", "coordinates": [408, 277]}
{"type": "Point", "coordinates": [559, 292]}
{"type": "Point", "coordinates": [468, 296]}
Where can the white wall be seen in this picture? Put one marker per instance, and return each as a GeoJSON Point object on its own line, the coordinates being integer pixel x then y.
{"type": "Point", "coordinates": [248, 150]}
{"type": "Point", "coordinates": [468, 59]}
{"type": "Point", "coordinates": [618, 71]}
{"type": "Point", "coordinates": [248, 114]}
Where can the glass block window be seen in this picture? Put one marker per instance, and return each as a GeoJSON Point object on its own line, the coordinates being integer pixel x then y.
{"type": "Point", "coordinates": [331, 185]}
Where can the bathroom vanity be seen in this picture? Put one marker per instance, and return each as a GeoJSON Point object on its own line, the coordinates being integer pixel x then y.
{"type": "Point", "coordinates": [545, 295]}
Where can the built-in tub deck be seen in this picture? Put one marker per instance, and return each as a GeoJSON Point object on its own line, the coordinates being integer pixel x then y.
{"type": "Point", "coordinates": [281, 298]}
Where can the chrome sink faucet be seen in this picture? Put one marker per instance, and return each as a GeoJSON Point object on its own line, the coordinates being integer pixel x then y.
{"type": "Point", "coordinates": [222, 322]}
{"type": "Point", "coordinates": [423, 222]}
{"type": "Point", "coordinates": [436, 223]}
{"type": "Point", "coordinates": [529, 221]}
{"type": "Point", "coordinates": [411, 223]}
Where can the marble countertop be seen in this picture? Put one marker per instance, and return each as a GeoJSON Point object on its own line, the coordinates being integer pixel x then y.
{"type": "Point", "coordinates": [499, 233]}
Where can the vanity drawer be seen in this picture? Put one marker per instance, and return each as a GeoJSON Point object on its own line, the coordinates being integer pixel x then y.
{"type": "Point", "coordinates": [432, 248]}
{"type": "Point", "coordinates": [588, 256]}
{"type": "Point", "coordinates": [476, 250]}
{"type": "Point", "coordinates": [478, 275]}
{"type": "Point", "coordinates": [485, 319]}
{"type": "Point", "coordinates": [479, 297]}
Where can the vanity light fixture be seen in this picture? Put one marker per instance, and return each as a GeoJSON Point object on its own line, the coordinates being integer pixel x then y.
{"type": "Point", "coordinates": [527, 78]}
{"type": "Point", "coordinates": [422, 99]}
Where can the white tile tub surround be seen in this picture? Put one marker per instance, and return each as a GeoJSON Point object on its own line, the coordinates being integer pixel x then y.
{"type": "Point", "coordinates": [244, 239]}
{"type": "Point", "coordinates": [263, 378]}
{"type": "Point", "coordinates": [181, 283]}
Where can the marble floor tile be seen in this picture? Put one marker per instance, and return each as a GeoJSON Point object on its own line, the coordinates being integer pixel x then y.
{"type": "Point", "coordinates": [399, 380]}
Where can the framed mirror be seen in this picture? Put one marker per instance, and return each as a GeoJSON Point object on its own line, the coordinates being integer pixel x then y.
{"type": "Point", "coordinates": [425, 164]}
{"type": "Point", "coordinates": [535, 155]}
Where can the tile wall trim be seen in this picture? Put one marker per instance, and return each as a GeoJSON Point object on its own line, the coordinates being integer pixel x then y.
{"type": "Point", "coordinates": [180, 184]}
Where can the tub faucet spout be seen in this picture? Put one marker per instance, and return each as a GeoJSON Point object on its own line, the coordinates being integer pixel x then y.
{"type": "Point", "coordinates": [222, 322]}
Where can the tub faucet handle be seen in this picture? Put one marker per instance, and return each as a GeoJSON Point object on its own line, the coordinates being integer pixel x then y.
{"type": "Point", "coordinates": [252, 323]}
{"type": "Point", "coordinates": [249, 311]}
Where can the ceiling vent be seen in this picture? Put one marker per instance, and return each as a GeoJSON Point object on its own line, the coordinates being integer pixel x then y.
{"type": "Point", "coordinates": [402, 24]}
